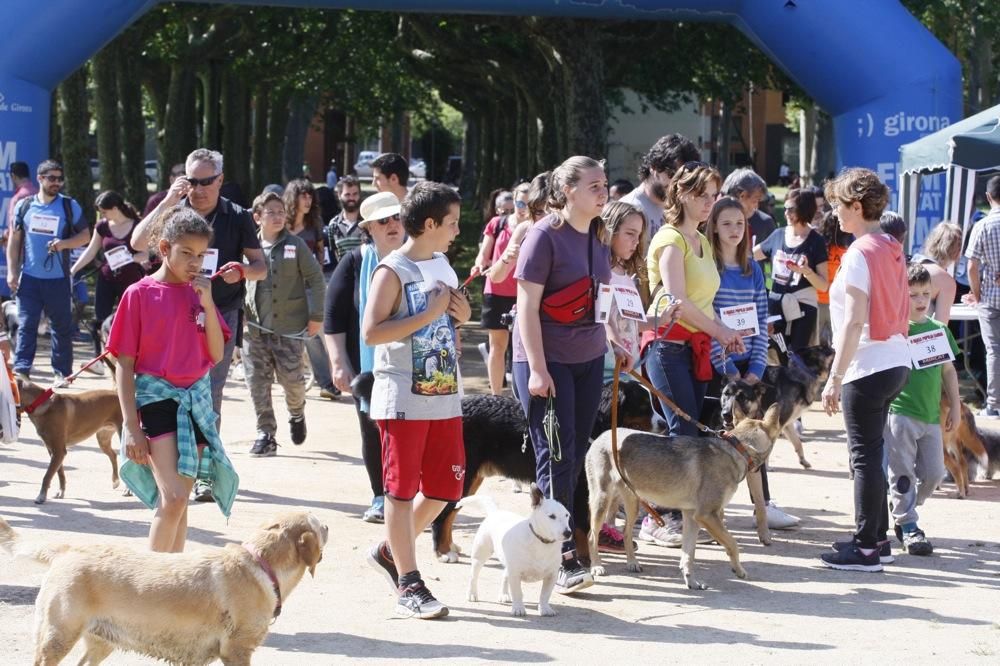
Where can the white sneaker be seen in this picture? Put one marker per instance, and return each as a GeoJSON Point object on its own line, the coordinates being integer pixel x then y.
{"type": "Point", "coordinates": [484, 352]}
{"type": "Point", "coordinates": [778, 519]}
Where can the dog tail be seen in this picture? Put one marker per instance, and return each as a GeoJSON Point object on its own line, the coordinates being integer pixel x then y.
{"type": "Point", "coordinates": [973, 441]}
{"type": "Point", "coordinates": [482, 502]}
{"type": "Point", "coordinates": [10, 543]}
{"type": "Point", "coordinates": [8, 537]}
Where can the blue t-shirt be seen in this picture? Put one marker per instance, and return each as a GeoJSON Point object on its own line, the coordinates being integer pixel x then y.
{"type": "Point", "coordinates": [44, 223]}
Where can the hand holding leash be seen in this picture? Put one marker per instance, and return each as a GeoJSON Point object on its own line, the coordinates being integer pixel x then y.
{"type": "Point", "coordinates": [540, 384]}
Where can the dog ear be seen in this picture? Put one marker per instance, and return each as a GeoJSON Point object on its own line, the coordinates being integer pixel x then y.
{"type": "Point", "coordinates": [772, 422]}
{"type": "Point", "coordinates": [536, 496]}
{"type": "Point", "coordinates": [309, 551]}
{"type": "Point", "coordinates": [759, 389]}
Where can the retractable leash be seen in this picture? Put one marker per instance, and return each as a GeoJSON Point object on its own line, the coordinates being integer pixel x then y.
{"type": "Point", "coordinates": [550, 426]}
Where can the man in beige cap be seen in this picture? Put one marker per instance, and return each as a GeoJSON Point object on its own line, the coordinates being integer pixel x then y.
{"type": "Point", "coordinates": [346, 296]}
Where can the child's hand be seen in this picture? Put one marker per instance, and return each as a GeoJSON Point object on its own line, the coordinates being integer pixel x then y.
{"type": "Point", "coordinates": [953, 418]}
{"type": "Point", "coordinates": [203, 287]}
{"type": "Point", "coordinates": [438, 300]}
{"type": "Point", "coordinates": [458, 306]}
{"type": "Point", "coordinates": [314, 328]}
{"type": "Point", "coordinates": [540, 383]}
{"type": "Point", "coordinates": [136, 446]}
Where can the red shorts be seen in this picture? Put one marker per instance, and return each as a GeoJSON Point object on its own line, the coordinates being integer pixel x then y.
{"type": "Point", "coordinates": [423, 455]}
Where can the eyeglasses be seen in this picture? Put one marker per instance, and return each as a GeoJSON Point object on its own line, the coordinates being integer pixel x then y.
{"type": "Point", "coordinates": [54, 179]}
{"type": "Point", "coordinates": [204, 182]}
{"type": "Point", "coordinates": [386, 220]}
{"type": "Point", "coordinates": [520, 204]}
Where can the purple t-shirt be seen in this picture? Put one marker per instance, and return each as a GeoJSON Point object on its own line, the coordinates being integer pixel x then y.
{"type": "Point", "coordinates": [557, 257]}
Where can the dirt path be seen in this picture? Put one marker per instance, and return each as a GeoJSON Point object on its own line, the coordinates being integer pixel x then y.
{"type": "Point", "coordinates": [921, 610]}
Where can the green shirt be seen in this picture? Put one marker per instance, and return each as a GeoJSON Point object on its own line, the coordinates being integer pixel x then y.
{"type": "Point", "coordinates": [921, 397]}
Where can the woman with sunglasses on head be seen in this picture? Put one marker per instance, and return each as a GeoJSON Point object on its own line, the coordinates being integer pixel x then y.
{"type": "Point", "coordinates": [680, 264]}
{"type": "Point", "coordinates": [303, 220]}
{"type": "Point", "coordinates": [497, 257]}
{"type": "Point", "coordinates": [122, 265]}
{"type": "Point", "coordinates": [346, 297]}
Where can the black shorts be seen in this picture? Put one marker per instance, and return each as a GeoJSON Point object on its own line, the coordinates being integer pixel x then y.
{"type": "Point", "coordinates": [160, 418]}
{"type": "Point", "coordinates": [493, 307]}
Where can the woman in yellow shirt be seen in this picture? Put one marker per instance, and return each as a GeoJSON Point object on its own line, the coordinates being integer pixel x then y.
{"type": "Point", "coordinates": [680, 263]}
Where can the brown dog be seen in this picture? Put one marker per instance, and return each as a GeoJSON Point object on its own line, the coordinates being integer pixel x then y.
{"type": "Point", "coordinates": [69, 418]}
{"type": "Point", "coordinates": [183, 608]}
{"type": "Point", "coordinates": [963, 439]}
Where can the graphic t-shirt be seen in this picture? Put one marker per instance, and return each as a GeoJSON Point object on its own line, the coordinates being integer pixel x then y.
{"type": "Point", "coordinates": [921, 397]}
{"type": "Point", "coordinates": [44, 223]}
{"type": "Point", "coordinates": [812, 251]}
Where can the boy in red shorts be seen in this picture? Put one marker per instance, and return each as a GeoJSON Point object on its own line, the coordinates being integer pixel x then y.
{"type": "Point", "coordinates": [412, 309]}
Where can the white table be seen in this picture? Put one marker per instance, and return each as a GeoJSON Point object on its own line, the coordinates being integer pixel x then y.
{"type": "Point", "coordinates": [963, 312]}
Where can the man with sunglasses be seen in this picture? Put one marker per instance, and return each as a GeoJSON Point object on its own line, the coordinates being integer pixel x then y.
{"type": "Point", "coordinates": [234, 238]}
{"type": "Point", "coordinates": [45, 227]}
{"type": "Point", "coordinates": [656, 170]}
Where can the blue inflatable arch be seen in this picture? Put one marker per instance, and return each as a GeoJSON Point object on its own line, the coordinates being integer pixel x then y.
{"type": "Point", "coordinates": [869, 63]}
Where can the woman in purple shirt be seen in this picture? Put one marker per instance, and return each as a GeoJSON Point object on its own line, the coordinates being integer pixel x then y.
{"type": "Point", "coordinates": [558, 346]}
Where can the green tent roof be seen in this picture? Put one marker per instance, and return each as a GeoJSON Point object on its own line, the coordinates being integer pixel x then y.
{"type": "Point", "coordinates": [973, 143]}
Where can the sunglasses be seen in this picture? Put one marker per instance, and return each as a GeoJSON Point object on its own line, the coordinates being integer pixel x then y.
{"type": "Point", "coordinates": [55, 179]}
{"type": "Point", "coordinates": [386, 220]}
{"type": "Point", "coordinates": [520, 204]}
{"type": "Point", "coordinates": [204, 182]}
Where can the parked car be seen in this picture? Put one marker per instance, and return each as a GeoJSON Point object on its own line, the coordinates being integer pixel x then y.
{"type": "Point", "coordinates": [363, 167]}
{"type": "Point", "coordinates": [417, 168]}
{"type": "Point", "coordinates": [151, 167]}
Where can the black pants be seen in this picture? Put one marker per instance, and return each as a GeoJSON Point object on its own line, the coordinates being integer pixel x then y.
{"type": "Point", "coordinates": [802, 328]}
{"type": "Point", "coordinates": [106, 295]}
{"type": "Point", "coordinates": [865, 403]}
{"type": "Point", "coordinates": [371, 449]}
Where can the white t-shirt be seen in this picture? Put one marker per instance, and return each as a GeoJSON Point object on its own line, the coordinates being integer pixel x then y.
{"type": "Point", "coordinates": [872, 355]}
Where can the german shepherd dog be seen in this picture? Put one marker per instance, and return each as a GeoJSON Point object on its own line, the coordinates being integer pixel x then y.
{"type": "Point", "coordinates": [497, 444]}
{"type": "Point", "coordinates": [793, 387]}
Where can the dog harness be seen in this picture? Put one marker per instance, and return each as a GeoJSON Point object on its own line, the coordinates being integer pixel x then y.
{"type": "Point", "coordinates": [262, 563]}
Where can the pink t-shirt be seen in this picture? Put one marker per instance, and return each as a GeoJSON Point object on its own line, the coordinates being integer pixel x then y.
{"type": "Point", "coordinates": [162, 326]}
{"type": "Point", "coordinates": [508, 286]}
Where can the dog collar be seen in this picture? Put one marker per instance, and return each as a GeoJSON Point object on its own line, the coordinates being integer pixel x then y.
{"type": "Point", "coordinates": [262, 563]}
{"type": "Point", "coordinates": [742, 450]}
{"type": "Point", "coordinates": [539, 536]}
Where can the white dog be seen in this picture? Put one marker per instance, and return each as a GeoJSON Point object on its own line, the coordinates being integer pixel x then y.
{"type": "Point", "coordinates": [530, 549]}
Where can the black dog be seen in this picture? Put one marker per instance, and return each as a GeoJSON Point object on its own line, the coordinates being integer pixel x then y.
{"type": "Point", "coordinates": [497, 444]}
{"type": "Point", "coordinates": [793, 387]}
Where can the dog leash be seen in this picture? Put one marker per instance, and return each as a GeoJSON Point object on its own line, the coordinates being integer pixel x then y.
{"type": "Point", "coordinates": [550, 426]}
{"type": "Point", "coordinates": [48, 393]}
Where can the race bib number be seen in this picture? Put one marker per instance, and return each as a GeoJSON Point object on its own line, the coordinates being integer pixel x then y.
{"type": "Point", "coordinates": [117, 257]}
{"type": "Point", "coordinates": [629, 302]}
{"type": "Point", "coordinates": [742, 319]}
{"type": "Point", "coordinates": [289, 252]}
{"type": "Point", "coordinates": [210, 262]}
{"type": "Point", "coordinates": [437, 270]}
{"type": "Point", "coordinates": [603, 303]}
{"type": "Point", "coordinates": [930, 349]}
{"type": "Point", "coordinates": [46, 225]}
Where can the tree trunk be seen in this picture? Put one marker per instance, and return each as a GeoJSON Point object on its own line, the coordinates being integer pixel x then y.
{"type": "Point", "coordinates": [487, 165]}
{"type": "Point", "coordinates": [295, 137]}
{"type": "Point", "coordinates": [133, 127]}
{"type": "Point", "coordinates": [176, 137]}
{"type": "Point", "coordinates": [726, 131]}
{"type": "Point", "coordinates": [55, 130]}
{"type": "Point", "coordinates": [236, 131]}
{"type": "Point", "coordinates": [74, 120]}
{"type": "Point", "coordinates": [277, 121]}
{"type": "Point", "coordinates": [807, 144]}
{"type": "Point", "coordinates": [470, 156]}
{"type": "Point", "coordinates": [108, 121]}
{"type": "Point", "coordinates": [261, 110]}
{"type": "Point", "coordinates": [824, 149]}
{"type": "Point", "coordinates": [583, 80]}
{"type": "Point", "coordinates": [211, 131]}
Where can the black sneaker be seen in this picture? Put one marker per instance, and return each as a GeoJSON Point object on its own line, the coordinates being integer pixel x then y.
{"type": "Point", "coordinates": [264, 447]}
{"type": "Point", "coordinates": [884, 550]}
{"type": "Point", "coordinates": [916, 543]}
{"type": "Point", "coordinates": [415, 600]}
{"type": "Point", "coordinates": [298, 428]}
{"type": "Point", "coordinates": [377, 556]}
{"type": "Point", "coordinates": [203, 491]}
{"type": "Point", "coordinates": [573, 577]}
{"type": "Point", "coordinates": [852, 559]}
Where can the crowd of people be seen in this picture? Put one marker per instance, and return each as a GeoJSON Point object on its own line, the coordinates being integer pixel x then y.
{"type": "Point", "coordinates": [370, 289]}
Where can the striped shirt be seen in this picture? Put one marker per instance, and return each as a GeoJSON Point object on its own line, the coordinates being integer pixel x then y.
{"type": "Point", "coordinates": [738, 289]}
{"type": "Point", "coordinates": [987, 251]}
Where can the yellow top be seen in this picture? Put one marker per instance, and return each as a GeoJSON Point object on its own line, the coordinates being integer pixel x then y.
{"type": "Point", "coordinates": [701, 277]}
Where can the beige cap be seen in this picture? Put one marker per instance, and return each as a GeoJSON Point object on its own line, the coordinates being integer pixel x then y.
{"type": "Point", "coordinates": [378, 207]}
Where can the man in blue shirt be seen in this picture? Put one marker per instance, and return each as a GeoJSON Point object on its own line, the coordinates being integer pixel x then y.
{"type": "Point", "coordinates": [45, 228]}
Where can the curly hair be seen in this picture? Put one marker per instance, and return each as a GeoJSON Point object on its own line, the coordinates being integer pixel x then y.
{"type": "Point", "coordinates": [176, 222]}
{"type": "Point", "coordinates": [612, 217]}
{"type": "Point", "coordinates": [667, 154]}
{"type": "Point", "coordinates": [313, 218]}
{"type": "Point", "coordinates": [863, 186]}
{"type": "Point", "coordinates": [692, 178]}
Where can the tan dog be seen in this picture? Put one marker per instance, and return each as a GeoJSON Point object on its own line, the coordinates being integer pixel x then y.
{"type": "Point", "coordinates": [183, 608]}
{"type": "Point", "coordinates": [697, 475]}
{"type": "Point", "coordinates": [69, 418]}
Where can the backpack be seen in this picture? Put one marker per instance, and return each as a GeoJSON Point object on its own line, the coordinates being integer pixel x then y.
{"type": "Point", "coordinates": [22, 211]}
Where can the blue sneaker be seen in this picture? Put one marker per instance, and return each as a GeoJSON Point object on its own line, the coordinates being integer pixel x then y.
{"type": "Point", "coordinates": [376, 512]}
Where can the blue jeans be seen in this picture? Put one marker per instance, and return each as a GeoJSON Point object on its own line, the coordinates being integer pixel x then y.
{"type": "Point", "coordinates": [320, 362]}
{"type": "Point", "coordinates": [220, 372]}
{"type": "Point", "coordinates": [671, 370]}
{"type": "Point", "coordinates": [578, 394]}
{"type": "Point", "coordinates": [52, 296]}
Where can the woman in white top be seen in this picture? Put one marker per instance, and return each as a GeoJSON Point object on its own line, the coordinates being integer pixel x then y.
{"type": "Point", "coordinates": [869, 310]}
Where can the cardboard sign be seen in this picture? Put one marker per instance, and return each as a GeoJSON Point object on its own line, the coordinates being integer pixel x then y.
{"type": "Point", "coordinates": [742, 319]}
{"type": "Point", "coordinates": [289, 251]}
{"type": "Point", "coordinates": [603, 303]}
{"type": "Point", "coordinates": [930, 349]}
{"type": "Point", "coordinates": [117, 257]}
{"type": "Point", "coordinates": [210, 262]}
{"type": "Point", "coordinates": [46, 225]}
{"type": "Point", "coordinates": [629, 302]}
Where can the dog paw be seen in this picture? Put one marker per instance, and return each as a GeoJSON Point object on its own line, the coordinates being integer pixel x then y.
{"type": "Point", "coordinates": [455, 548]}
{"type": "Point", "coordinates": [805, 463]}
{"type": "Point", "coordinates": [450, 557]}
{"type": "Point", "coordinates": [518, 610]}
{"type": "Point", "coordinates": [741, 573]}
{"type": "Point", "coordinates": [59, 494]}
{"type": "Point", "coordinates": [546, 610]}
{"type": "Point", "coordinates": [504, 598]}
{"type": "Point", "coordinates": [40, 499]}
{"type": "Point", "coordinates": [598, 571]}
{"type": "Point", "coordinates": [634, 567]}
{"type": "Point", "coordinates": [115, 484]}
{"type": "Point", "coordinates": [127, 492]}
{"type": "Point", "coordinates": [473, 596]}
{"type": "Point", "coordinates": [696, 585]}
